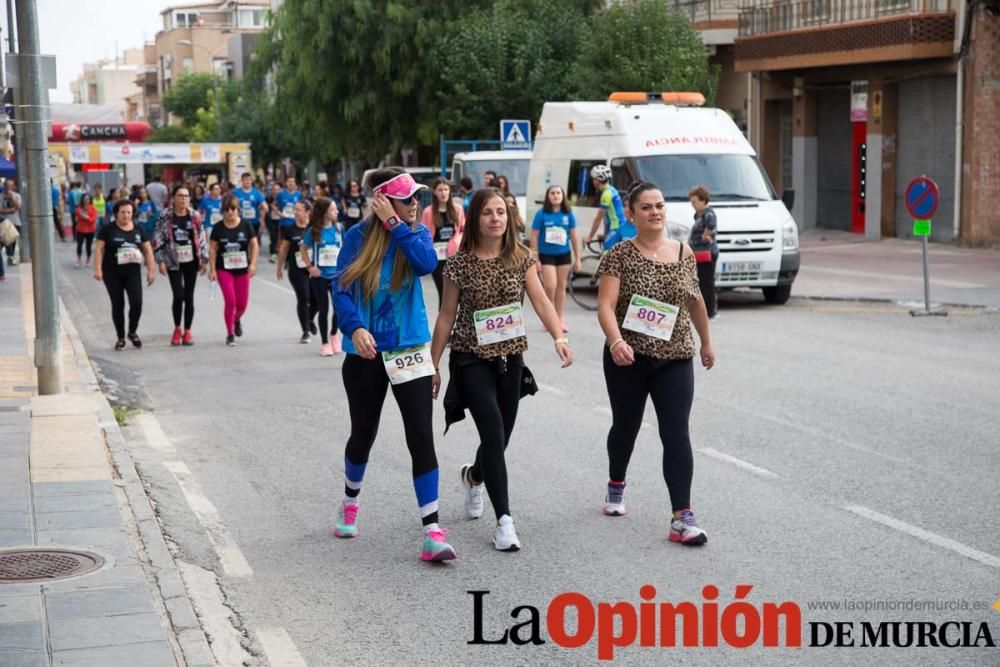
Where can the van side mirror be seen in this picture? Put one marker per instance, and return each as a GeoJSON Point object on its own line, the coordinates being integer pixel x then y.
{"type": "Point", "coordinates": [788, 199]}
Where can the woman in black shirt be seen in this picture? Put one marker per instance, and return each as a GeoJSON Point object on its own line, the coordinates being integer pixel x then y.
{"type": "Point", "coordinates": [233, 251]}
{"type": "Point", "coordinates": [122, 246]}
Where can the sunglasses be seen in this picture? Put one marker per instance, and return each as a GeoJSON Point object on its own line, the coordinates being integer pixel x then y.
{"type": "Point", "coordinates": [409, 200]}
{"type": "Point", "coordinates": [232, 208]}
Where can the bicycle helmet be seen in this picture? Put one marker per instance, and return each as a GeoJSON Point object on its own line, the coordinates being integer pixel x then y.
{"type": "Point", "coordinates": [601, 172]}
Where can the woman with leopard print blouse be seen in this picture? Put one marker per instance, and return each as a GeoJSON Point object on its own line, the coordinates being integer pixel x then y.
{"type": "Point", "coordinates": [481, 316]}
{"type": "Point", "coordinates": [648, 299]}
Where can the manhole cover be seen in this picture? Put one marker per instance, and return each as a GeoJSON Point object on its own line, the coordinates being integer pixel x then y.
{"type": "Point", "coordinates": [30, 565]}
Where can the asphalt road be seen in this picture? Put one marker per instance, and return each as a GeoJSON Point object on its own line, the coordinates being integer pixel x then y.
{"type": "Point", "coordinates": [843, 452]}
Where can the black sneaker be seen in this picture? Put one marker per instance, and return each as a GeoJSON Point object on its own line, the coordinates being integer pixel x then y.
{"type": "Point", "coordinates": [238, 329]}
{"type": "Point", "coordinates": [231, 340]}
{"type": "Point", "coordinates": [313, 329]}
{"type": "Point", "coordinates": [120, 345]}
{"type": "Point", "coordinates": [305, 338]}
{"type": "Point", "coordinates": [136, 341]}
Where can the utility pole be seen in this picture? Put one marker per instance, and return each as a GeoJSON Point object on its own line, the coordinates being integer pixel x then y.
{"type": "Point", "coordinates": [24, 243]}
{"type": "Point", "coordinates": [35, 147]}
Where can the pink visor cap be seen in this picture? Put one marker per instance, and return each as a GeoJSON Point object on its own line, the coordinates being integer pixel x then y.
{"type": "Point", "coordinates": [399, 187]}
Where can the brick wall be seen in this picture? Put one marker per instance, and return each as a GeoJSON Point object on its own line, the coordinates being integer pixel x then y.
{"type": "Point", "coordinates": [981, 161]}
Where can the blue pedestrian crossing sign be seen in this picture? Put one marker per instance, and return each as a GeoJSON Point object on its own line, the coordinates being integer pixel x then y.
{"type": "Point", "coordinates": [515, 135]}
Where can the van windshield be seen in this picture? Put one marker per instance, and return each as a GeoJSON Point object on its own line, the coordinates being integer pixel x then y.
{"type": "Point", "coordinates": [727, 177]}
{"type": "Point", "coordinates": [516, 172]}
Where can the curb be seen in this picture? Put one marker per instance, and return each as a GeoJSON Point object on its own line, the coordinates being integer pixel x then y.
{"type": "Point", "coordinates": [188, 640]}
{"type": "Point", "coordinates": [897, 302]}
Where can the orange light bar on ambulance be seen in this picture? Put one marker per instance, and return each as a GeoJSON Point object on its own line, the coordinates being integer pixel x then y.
{"type": "Point", "coordinates": [677, 99]}
{"type": "Point", "coordinates": [632, 98]}
{"type": "Point", "coordinates": [683, 99]}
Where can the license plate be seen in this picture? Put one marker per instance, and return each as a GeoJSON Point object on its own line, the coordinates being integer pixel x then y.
{"type": "Point", "coordinates": [740, 267]}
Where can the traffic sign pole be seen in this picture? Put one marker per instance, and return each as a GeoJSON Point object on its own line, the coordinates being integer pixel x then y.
{"type": "Point", "coordinates": [922, 198]}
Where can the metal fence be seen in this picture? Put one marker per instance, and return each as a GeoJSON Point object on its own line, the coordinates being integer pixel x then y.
{"type": "Point", "coordinates": [769, 16]}
{"type": "Point", "coordinates": [705, 10]}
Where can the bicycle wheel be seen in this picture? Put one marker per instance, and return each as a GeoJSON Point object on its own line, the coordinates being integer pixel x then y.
{"type": "Point", "coordinates": [583, 284]}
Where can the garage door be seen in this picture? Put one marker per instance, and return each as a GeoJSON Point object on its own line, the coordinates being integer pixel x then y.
{"type": "Point", "coordinates": [925, 146]}
{"type": "Point", "coordinates": [833, 159]}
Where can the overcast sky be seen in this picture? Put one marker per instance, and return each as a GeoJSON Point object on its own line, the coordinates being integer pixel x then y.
{"type": "Point", "coordinates": [83, 31]}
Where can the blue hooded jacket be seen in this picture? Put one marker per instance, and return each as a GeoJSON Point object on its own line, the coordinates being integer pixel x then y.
{"type": "Point", "coordinates": [397, 319]}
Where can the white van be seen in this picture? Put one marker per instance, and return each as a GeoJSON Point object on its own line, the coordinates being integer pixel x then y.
{"type": "Point", "coordinates": [671, 141]}
{"type": "Point", "coordinates": [512, 164]}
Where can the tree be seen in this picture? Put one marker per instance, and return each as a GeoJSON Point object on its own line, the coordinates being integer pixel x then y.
{"type": "Point", "coordinates": [170, 134]}
{"type": "Point", "coordinates": [351, 76]}
{"type": "Point", "coordinates": [640, 46]}
{"type": "Point", "coordinates": [503, 62]}
{"type": "Point", "coordinates": [188, 94]}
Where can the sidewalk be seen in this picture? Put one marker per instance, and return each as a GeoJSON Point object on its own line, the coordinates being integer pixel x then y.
{"type": "Point", "coordinates": [843, 265]}
{"type": "Point", "coordinates": [60, 490]}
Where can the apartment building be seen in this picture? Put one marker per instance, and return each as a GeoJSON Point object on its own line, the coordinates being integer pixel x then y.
{"type": "Point", "coordinates": [211, 37]}
{"type": "Point", "coordinates": [108, 81]}
{"type": "Point", "coordinates": [848, 100]}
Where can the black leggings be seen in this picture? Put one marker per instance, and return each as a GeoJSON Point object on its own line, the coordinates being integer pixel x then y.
{"type": "Point", "coordinates": [491, 390]}
{"type": "Point", "coordinates": [272, 235]}
{"type": "Point", "coordinates": [365, 382]}
{"type": "Point", "coordinates": [182, 281]}
{"type": "Point", "coordinates": [119, 283]}
{"type": "Point", "coordinates": [304, 307]}
{"type": "Point", "coordinates": [438, 276]}
{"type": "Point", "coordinates": [671, 386]}
{"type": "Point", "coordinates": [320, 288]}
{"type": "Point", "coordinates": [82, 238]}
{"type": "Point", "coordinates": [706, 281]}
{"type": "Point", "coordinates": [59, 226]}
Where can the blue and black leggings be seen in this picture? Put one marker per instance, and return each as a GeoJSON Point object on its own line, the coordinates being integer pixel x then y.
{"type": "Point", "coordinates": [366, 382]}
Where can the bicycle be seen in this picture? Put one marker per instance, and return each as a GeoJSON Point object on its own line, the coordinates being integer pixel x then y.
{"type": "Point", "coordinates": [583, 283]}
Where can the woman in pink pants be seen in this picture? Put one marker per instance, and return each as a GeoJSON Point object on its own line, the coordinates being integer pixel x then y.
{"type": "Point", "coordinates": [232, 261]}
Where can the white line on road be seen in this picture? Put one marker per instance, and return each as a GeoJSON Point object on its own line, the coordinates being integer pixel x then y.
{"type": "Point", "coordinates": [279, 648]}
{"type": "Point", "coordinates": [550, 389]}
{"type": "Point", "coordinates": [155, 437]}
{"type": "Point", "coordinates": [739, 463]}
{"type": "Point", "coordinates": [926, 536]}
{"type": "Point", "coordinates": [276, 286]}
{"type": "Point", "coordinates": [892, 276]}
{"type": "Point", "coordinates": [233, 562]}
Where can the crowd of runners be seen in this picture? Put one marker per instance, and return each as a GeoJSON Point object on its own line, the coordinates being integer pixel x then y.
{"type": "Point", "coordinates": [355, 265]}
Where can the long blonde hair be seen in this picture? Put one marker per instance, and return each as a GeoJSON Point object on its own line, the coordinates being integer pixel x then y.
{"type": "Point", "coordinates": [366, 269]}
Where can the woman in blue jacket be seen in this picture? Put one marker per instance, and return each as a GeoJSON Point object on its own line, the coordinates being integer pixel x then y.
{"type": "Point", "coordinates": [380, 309]}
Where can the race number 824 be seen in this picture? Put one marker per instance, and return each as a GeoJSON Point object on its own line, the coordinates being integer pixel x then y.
{"type": "Point", "coordinates": [499, 322]}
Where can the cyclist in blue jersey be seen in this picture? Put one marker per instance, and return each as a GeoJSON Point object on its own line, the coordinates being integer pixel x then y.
{"type": "Point", "coordinates": [610, 210]}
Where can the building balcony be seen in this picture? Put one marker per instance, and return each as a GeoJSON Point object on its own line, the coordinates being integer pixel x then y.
{"type": "Point", "coordinates": [777, 34]}
{"type": "Point", "coordinates": [716, 20]}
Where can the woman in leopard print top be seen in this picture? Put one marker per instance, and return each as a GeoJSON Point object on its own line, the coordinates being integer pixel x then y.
{"type": "Point", "coordinates": [647, 301]}
{"type": "Point", "coordinates": [484, 287]}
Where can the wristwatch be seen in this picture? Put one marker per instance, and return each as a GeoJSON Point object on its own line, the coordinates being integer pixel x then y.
{"type": "Point", "coordinates": [391, 222]}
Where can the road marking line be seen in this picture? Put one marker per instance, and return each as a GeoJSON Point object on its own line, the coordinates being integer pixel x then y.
{"type": "Point", "coordinates": [276, 286]}
{"type": "Point", "coordinates": [279, 648]}
{"type": "Point", "coordinates": [155, 437]}
{"type": "Point", "coordinates": [739, 463]}
{"type": "Point", "coordinates": [233, 562]}
{"type": "Point", "coordinates": [550, 389]}
{"type": "Point", "coordinates": [926, 536]}
{"type": "Point", "coordinates": [891, 276]}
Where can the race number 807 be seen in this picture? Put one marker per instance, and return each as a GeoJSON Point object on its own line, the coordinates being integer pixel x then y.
{"type": "Point", "coordinates": [651, 315]}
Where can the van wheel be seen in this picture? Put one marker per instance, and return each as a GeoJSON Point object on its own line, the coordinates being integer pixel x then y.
{"type": "Point", "coordinates": [778, 294]}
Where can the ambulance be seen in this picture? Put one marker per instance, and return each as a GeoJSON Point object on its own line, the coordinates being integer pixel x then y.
{"type": "Point", "coordinates": [671, 140]}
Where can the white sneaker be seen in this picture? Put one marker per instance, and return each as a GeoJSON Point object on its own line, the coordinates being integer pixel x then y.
{"type": "Point", "coordinates": [505, 537]}
{"type": "Point", "coordinates": [614, 501]}
{"type": "Point", "coordinates": [473, 494]}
